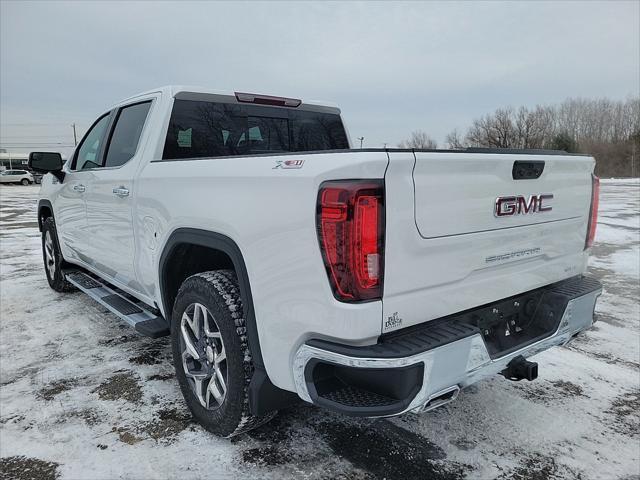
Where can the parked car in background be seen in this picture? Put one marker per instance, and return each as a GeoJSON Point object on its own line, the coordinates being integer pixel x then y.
{"type": "Point", "coordinates": [17, 176]}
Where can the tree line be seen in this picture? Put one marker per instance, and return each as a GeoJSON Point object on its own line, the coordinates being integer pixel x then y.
{"type": "Point", "coordinates": [607, 129]}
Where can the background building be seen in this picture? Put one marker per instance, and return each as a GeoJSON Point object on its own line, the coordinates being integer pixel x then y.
{"type": "Point", "coordinates": [9, 160]}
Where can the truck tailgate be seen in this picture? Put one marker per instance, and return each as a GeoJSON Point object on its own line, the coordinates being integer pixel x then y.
{"type": "Point", "coordinates": [447, 250]}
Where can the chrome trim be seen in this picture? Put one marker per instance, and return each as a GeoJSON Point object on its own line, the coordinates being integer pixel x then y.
{"type": "Point", "coordinates": [121, 191]}
{"type": "Point", "coordinates": [435, 401]}
{"type": "Point", "coordinates": [455, 365]}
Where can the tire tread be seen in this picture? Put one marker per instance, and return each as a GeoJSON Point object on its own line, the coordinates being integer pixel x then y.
{"type": "Point", "coordinates": [225, 284]}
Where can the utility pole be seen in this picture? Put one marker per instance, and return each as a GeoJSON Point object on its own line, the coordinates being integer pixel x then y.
{"type": "Point", "coordinates": [361, 140]}
{"type": "Point", "coordinates": [75, 141]}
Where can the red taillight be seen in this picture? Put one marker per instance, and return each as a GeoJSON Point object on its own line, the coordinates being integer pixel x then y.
{"type": "Point", "coordinates": [593, 215]}
{"type": "Point", "coordinates": [350, 221]}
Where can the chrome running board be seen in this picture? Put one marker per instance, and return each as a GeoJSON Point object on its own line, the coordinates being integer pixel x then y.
{"type": "Point", "coordinates": [144, 321]}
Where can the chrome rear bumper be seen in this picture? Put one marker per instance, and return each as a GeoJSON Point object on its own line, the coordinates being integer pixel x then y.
{"type": "Point", "coordinates": [446, 368]}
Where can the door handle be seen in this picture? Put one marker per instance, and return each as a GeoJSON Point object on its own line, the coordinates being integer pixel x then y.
{"type": "Point", "coordinates": [121, 192]}
{"type": "Point", "coordinates": [79, 188]}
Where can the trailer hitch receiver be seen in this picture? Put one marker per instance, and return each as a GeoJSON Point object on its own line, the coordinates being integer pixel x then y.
{"type": "Point", "coordinates": [520, 368]}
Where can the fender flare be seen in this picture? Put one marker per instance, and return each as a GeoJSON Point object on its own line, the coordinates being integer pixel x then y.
{"type": "Point", "coordinates": [264, 397]}
{"type": "Point", "coordinates": [44, 203]}
{"type": "Point", "coordinates": [205, 238]}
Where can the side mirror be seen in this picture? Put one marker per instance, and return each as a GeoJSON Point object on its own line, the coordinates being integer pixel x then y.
{"type": "Point", "coordinates": [47, 162]}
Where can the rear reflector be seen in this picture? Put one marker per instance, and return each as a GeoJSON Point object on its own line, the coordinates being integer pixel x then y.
{"type": "Point", "coordinates": [267, 100]}
{"type": "Point", "coordinates": [593, 215]}
{"type": "Point", "coordinates": [350, 222]}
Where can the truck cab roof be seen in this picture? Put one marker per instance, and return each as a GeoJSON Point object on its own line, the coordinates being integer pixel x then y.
{"type": "Point", "coordinates": [190, 92]}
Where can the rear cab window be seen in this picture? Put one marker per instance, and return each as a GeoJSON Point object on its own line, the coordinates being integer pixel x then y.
{"type": "Point", "coordinates": [113, 139]}
{"type": "Point", "coordinates": [211, 129]}
{"type": "Point", "coordinates": [126, 134]}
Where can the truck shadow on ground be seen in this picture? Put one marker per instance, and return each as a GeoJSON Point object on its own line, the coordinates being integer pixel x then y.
{"type": "Point", "coordinates": [373, 448]}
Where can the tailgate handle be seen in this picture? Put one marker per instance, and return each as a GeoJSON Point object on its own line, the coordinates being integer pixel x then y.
{"type": "Point", "coordinates": [527, 170]}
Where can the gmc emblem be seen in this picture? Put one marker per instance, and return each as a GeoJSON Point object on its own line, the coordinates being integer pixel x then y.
{"type": "Point", "coordinates": [519, 205]}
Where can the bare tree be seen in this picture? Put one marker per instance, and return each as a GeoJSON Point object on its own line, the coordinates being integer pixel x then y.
{"type": "Point", "coordinates": [419, 139]}
{"type": "Point", "coordinates": [608, 129]}
{"type": "Point", "coordinates": [454, 140]}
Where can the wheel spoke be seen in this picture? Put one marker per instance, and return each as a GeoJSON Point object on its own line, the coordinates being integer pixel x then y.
{"type": "Point", "coordinates": [194, 321]}
{"type": "Point", "coordinates": [186, 337]}
{"type": "Point", "coordinates": [216, 391]}
{"type": "Point", "coordinates": [199, 393]}
{"type": "Point", "coordinates": [208, 323]}
{"type": "Point", "coordinates": [220, 356]}
{"type": "Point", "coordinates": [223, 385]}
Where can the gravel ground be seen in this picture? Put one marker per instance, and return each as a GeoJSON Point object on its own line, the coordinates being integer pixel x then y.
{"type": "Point", "coordinates": [82, 396]}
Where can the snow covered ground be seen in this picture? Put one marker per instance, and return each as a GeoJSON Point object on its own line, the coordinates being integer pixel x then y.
{"type": "Point", "coordinates": [82, 396]}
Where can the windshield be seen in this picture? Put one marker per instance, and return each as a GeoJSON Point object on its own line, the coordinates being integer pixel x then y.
{"type": "Point", "coordinates": [208, 129]}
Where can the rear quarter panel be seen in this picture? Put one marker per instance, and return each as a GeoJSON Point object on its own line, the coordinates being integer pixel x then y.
{"type": "Point", "coordinates": [270, 214]}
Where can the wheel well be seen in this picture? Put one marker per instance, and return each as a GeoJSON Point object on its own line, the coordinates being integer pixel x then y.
{"type": "Point", "coordinates": [185, 260]}
{"type": "Point", "coordinates": [43, 214]}
{"type": "Point", "coordinates": [189, 251]}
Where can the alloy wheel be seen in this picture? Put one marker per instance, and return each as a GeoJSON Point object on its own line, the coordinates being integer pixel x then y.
{"type": "Point", "coordinates": [204, 359]}
{"type": "Point", "coordinates": [49, 255]}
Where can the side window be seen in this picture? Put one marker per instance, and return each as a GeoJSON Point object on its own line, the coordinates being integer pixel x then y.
{"type": "Point", "coordinates": [126, 134]}
{"type": "Point", "coordinates": [87, 156]}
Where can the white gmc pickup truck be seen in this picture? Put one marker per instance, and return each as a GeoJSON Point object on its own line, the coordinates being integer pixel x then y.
{"type": "Point", "coordinates": [286, 265]}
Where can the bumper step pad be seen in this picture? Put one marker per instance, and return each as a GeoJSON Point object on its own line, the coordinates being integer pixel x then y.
{"type": "Point", "coordinates": [145, 321]}
{"type": "Point", "coordinates": [436, 333]}
{"type": "Point", "coordinates": [350, 396]}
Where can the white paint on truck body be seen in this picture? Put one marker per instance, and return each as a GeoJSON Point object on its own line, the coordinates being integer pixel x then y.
{"type": "Point", "coordinates": [444, 250]}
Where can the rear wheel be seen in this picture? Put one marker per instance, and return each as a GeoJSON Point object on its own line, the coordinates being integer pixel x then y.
{"type": "Point", "coordinates": [211, 354]}
{"type": "Point", "coordinates": [53, 262]}
{"type": "Point", "coordinates": [25, 182]}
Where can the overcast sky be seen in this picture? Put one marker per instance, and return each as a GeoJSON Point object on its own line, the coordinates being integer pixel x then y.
{"type": "Point", "coordinates": [391, 67]}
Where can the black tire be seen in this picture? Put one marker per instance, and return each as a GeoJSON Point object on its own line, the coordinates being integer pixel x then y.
{"type": "Point", "coordinates": [218, 291]}
{"type": "Point", "coordinates": [25, 182]}
{"type": "Point", "coordinates": [55, 275]}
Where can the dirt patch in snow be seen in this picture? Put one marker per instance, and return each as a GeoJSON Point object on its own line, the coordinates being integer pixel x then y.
{"type": "Point", "coordinates": [120, 340]}
{"type": "Point", "coordinates": [552, 391]}
{"type": "Point", "coordinates": [539, 467]}
{"type": "Point", "coordinates": [151, 356]}
{"type": "Point", "coordinates": [385, 450]}
{"type": "Point", "coordinates": [50, 391]}
{"type": "Point", "coordinates": [568, 389]}
{"type": "Point", "coordinates": [626, 409]}
{"type": "Point", "coordinates": [162, 376]}
{"type": "Point", "coordinates": [88, 415]}
{"type": "Point", "coordinates": [24, 468]}
{"type": "Point", "coordinates": [126, 436]}
{"type": "Point", "coordinates": [12, 419]}
{"type": "Point", "coordinates": [268, 455]}
{"type": "Point", "coordinates": [123, 386]}
{"type": "Point", "coordinates": [169, 423]}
